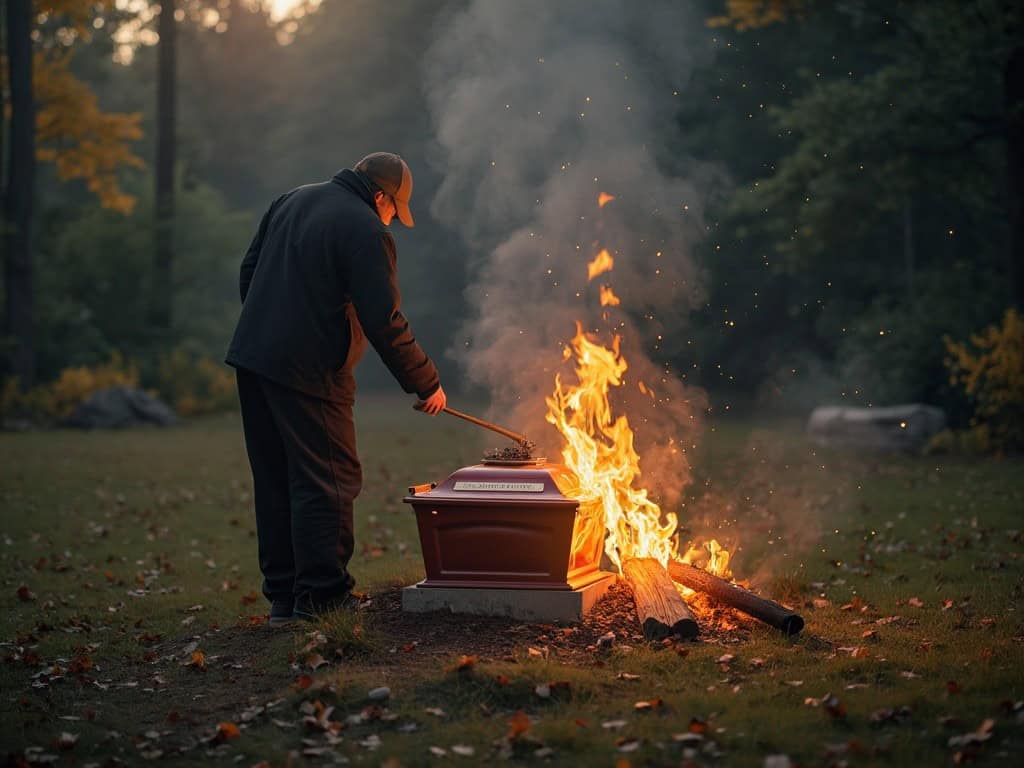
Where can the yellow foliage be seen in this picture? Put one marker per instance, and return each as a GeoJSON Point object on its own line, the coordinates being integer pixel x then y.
{"type": "Point", "coordinates": [56, 400]}
{"type": "Point", "coordinates": [194, 384]}
{"type": "Point", "coordinates": [991, 372]}
{"type": "Point", "coordinates": [752, 14]}
{"type": "Point", "coordinates": [77, 13]}
{"type": "Point", "coordinates": [83, 141]}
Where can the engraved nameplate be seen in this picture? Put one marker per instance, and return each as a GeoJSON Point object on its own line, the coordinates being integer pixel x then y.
{"type": "Point", "coordinates": [468, 485]}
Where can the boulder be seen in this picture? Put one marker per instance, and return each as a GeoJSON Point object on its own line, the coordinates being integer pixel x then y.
{"type": "Point", "coordinates": [893, 428]}
{"type": "Point", "coordinates": [120, 407]}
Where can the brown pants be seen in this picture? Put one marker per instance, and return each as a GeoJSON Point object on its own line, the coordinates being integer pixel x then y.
{"type": "Point", "coordinates": [306, 475]}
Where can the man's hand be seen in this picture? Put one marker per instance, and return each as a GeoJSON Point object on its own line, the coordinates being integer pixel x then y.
{"type": "Point", "coordinates": [433, 404]}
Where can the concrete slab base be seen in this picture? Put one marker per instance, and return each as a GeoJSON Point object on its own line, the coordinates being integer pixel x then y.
{"type": "Point", "coordinates": [526, 604]}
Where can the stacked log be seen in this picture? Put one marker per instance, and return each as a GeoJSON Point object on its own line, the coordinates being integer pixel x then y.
{"type": "Point", "coordinates": [661, 609]}
{"type": "Point", "coordinates": [735, 596]}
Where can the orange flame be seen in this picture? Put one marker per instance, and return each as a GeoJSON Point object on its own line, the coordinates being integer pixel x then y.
{"type": "Point", "coordinates": [599, 450]}
{"type": "Point", "coordinates": [603, 199]}
{"type": "Point", "coordinates": [605, 466]}
{"type": "Point", "coordinates": [602, 263]}
{"type": "Point", "coordinates": [608, 297]}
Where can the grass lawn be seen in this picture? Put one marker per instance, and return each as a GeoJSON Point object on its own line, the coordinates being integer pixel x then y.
{"type": "Point", "coordinates": [132, 630]}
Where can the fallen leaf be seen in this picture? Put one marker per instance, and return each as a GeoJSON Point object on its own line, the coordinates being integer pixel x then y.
{"type": "Point", "coordinates": [543, 690]}
{"type": "Point", "coordinates": [697, 725]}
{"type": "Point", "coordinates": [379, 694]}
{"type": "Point", "coordinates": [197, 661]}
{"type": "Point", "coordinates": [435, 711]}
{"type": "Point", "coordinates": [314, 661]}
{"type": "Point", "coordinates": [613, 725]}
{"type": "Point", "coordinates": [981, 734]}
{"type": "Point", "coordinates": [66, 740]}
{"type": "Point", "coordinates": [835, 708]}
{"type": "Point", "coordinates": [227, 731]}
{"type": "Point", "coordinates": [646, 706]}
{"type": "Point", "coordinates": [302, 682]}
{"type": "Point", "coordinates": [502, 680]}
{"type": "Point", "coordinates": [628, 744]}
{"type": "Point", "coordinates": [518, 725]}
{"type": "Point", "coordinates": [464, 664]}
{"type": "Point", "coordinates": [915, 602]}
{"type": "Point", "coordinates": [80, 664]}
{"type": "Point", "coordinates": [25, 594]}
{"type": "Point", "coordinates": [860, 652]}
{"type": "Point", "coordinates": [438, 751]}
{"type": "Point", "coordinates": [463, 750]}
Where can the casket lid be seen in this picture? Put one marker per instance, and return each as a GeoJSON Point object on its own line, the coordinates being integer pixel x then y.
{"type": "Point", "coordinates": [528, 484]}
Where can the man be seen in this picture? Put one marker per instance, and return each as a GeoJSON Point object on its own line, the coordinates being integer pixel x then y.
{"type": "Point", "coordinates": [318, 280]}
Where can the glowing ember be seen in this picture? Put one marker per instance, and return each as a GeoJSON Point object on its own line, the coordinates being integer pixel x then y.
{"type": "Point", "coordinates": [602, 263]}
{"type": "Point", "coordinates": [608, 297]}
{"type": "Point", "coordinates": [603, 199]}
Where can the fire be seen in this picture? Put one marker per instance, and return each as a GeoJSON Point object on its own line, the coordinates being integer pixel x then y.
{"type": "Point", "coordinates": [608, 297]}
{"type": "Point", "coordinates": [603, 199]}
{"type": "Point", "coordinates": [600, 452]}
{"type": "Point", "coordinates": [602, 263]}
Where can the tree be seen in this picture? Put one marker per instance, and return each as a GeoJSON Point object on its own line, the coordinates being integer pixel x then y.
{"type": "Point", "coordinates": [54, 118]}
{"type": "Point", "coordinates": [952, 85]}
{"type": "Point", "coordinates": [17, 234]}
{"type": "Point", "coordinates": [161, 300]}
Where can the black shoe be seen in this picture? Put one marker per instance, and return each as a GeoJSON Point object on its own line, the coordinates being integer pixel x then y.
{"type": "Point", "coordinates": [281, 613]}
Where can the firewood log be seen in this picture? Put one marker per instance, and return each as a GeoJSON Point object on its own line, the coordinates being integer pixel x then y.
{"type": "Point", "coordinates": [735, 596]}
{"type": "Point", "coordinates": [661, 609]}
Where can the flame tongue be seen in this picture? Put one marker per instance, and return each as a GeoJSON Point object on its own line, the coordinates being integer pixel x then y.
{"type": "Point", "coordinates": [599, 450]}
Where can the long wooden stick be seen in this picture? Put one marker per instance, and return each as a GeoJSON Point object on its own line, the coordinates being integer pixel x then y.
{"type": "Point", "coordinates": [735, 596]}
{"type": "Point", "coordinates": [487, 425]}
{"type": "Point", "coordinates": [661, 610]}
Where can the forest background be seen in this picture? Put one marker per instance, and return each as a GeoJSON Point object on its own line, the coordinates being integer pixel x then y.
{"type": "Point", "coordinates": [859, 166]}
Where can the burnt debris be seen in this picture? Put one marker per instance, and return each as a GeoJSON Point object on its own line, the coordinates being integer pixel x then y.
{"type": "Point", "coordinates": [521, 450]}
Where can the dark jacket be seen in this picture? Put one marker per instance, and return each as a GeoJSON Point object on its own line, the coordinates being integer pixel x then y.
{"type": "Point", "coordinates": [321, 271]}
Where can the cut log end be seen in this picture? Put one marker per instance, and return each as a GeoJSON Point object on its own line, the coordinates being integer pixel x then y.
{"type": "Point", "coordinates": [661, 610]}
{"type": "Point", "coordinates": [735, 596]}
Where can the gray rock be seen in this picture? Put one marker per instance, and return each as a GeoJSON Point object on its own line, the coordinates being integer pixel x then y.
{"type": "Point", "coordinates": [894, 428]}
{"type": "Point", "coordinates": [120, 407]}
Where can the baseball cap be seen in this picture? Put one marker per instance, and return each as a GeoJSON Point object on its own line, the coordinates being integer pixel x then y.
{"type": "Point", "coordinates": [389, 172]}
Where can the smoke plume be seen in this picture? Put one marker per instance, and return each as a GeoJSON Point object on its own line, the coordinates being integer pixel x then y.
{"type": "Point", "coordinates": [540, 107]}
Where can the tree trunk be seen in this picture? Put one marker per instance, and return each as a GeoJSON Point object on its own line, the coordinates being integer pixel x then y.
{"type": "Point", "coordinates": [17, 224]}
{"type": "Point", "coordinates": [661, 610]}
{"type": "Point", "coordinates": [1013, 84]}
{"type": "Point", "coordinates": [166, 145]}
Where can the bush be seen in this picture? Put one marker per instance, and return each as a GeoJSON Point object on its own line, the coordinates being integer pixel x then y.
{"type": "Point", "coordinates": [195, 384]}
{"type": "Point", "coordinates": [55, 401]}
{"type": "Point", "coordinates": [991, 372]}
